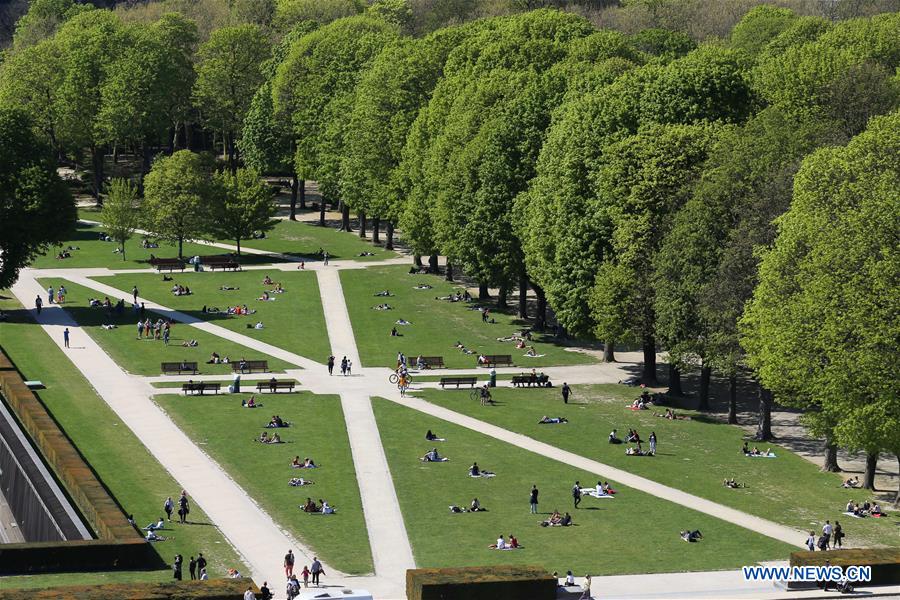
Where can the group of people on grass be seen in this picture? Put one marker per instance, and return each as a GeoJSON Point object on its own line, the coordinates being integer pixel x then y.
{"type": "Point", "coordinates": [322, 507]}
{"type": "Point", "coordinates": [265, 438]}
{"type": "Point", "coordinates": [634, 437]}
{"type": "Point", "coordinates": [866, 509]}
{"type": "Point", "coordinates": [161, 329]}
{"type": "Point", "coordinates": [753, 452]}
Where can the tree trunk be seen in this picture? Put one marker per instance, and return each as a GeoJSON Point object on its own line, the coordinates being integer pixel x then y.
{"type": "Point", "coordinates": [764, 424]}
{"type": "Point", "coordinates": [649, 374]}
{"type": "Point", "coordinates": [301, 190]}
{"type": "Point", "coordinates": [502, 296]}
{"type": "Point", "coordinates": [232, 153]}
{"type": "Point", "coordinates": [122, 248]}
{"type": "Point", "coordinates": [294, 184]}
{"type": "Point", "coordinates": [523, 295]}
{"type": "Point", "coordinates": [345, 218]}
{"type": "Point", "coordinates": [417, 260]}
{"type": "Point", "coordinates": [732, 400]}
{"type": "Point", "coordinates": [705, 372]}
{"type": "Point", "coordinates": [180, 246]}
{"type": "Point", "coordinates": [97, 165]}
{"type": "Point", "coordinates": [362, 224]}
{"type": "Point", "coordinates": [831, 464]}
{"type": "Point", "coordinates": [173, 138]}
{"type": "Point", "coordinates": [115, 154]}
{"type": "Point", "coordinates": [540, 318]}
{"type": "Point", "coordinates": [609, 351]}
{"type": "Point", "coordinates": [449, 275]}
{"type": "Point", "coordinates": [389, 244]}
{"type": "Point", "coordinates": [376, 231]}
{"type": "Point", "coordinates": [433, 264]}
{"type": "Point", "coordinates": [238, 244]}
{"type": "Point", "coordinates": [869, 475]}
{"type": "Point", "coordinates": [675, 380]}
{"type": "Point", "coordinates": [483, 293]}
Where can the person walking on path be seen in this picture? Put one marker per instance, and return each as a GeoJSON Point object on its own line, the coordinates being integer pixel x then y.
{"type": "Point", "coordinates": [534, 499]}
{"type": "Point", "coordinates": [827, 530]}
{"type": "Point", "coordinates": [38, 304]}
{"type": "Point", "coordinates": [169, 507]}
{"type": "Point", "coordinates": [50, 295]}
{"type": "Point", "coordinates": [349, 366]}
{"type": "Point", "coordinates": [134, 293]}
{"type": "Point", "coordinates": [192, 568]}
{"type": "Point", "coordinates": [586, 587]}
{"type": "Point", "coordinates": [201, 564]}
{"type": "Point", "coordinates": [566, 390]}
{"type": "Point", "coordinates": [66, 337]}
{"type": "Point", "coordinates": [344, 366]}
{"type": "Point", "coordinates": [838, 535]}
{"type": "Point", "coordinates": [576, 493]}
{"type": "Point", "coordinates": [305, 574]}
{"type": "Point", "coordinates": [325, 255]}
{"type": "Point", "coordinates": [653, 443]}
{"type": "Point", "coordinates": [330, 365]}
{"type": "Point", "coordinates": [289, 563]}
{"type": "Point", "coordinates": [811, 541]}
{"type": "Point", "coordinates": [316, 570]}
{"type": "Point", "coordinates": [176, 567]}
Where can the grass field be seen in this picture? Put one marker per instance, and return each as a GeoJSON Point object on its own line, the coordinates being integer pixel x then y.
{"type": "Point", "coordinates": [143, 357]}
{"type": "Point", "coordinates": [227, 431]}
{"type": "Point", "coordinates": [436, 325]}
{"type": "Point", "coordinates": [135, 479]}
{"type": "Point", "coordinates": [694, 456]}
{"type": "Point", "coordinates": [94, 253]}
{"type": "Point", "coordinates": [294, 321]}
{"type": "Point", "coordinates": [635, 533]}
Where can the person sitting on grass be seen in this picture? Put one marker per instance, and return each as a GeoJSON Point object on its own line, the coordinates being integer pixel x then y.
{"type": "Point", "coordinates": [613, 438]}
{"type": "Point", "coordinates": [263, 437]}
{"type": "Point", "coordinates": [275, 439]}
{"type": "Point", "coordinates": [475, 506]}
{"type": "Point", "coordinates": [875, 511]}
{"type": "Point", "coordinates": [554, 520]}
{"type": "Point", "coordinates": [545, 420]}
{"type": "Point", "coordinates": [500, 545]}
{"type": "Point", "coordinates": [691, 536]}
{"type": "Point", "coordinates": [851, 483]}
{"type": "Point", "coordinates": [433, 456]}
{"type": "Point", "coordinates": [251, 403]}
{"type": "Point", "coordinates": [394, 332]}
{"type": "Point", "coordinates": [265, 296]}
{"type": "Point", "coordinates": [633, 436]}
{"type": "Point", "coordinates": [474, 471]}
{"type": "Point", "coordinates": [278, 289]}
{"type": "Point", "coordinates": [745, 449]}
{"type": "Point", "coordinates": [267, 280]}
{"type": "Point", "coordinates": [513, 542]}
{"type": "Point", "coordinates": [296, 464]}
{"type": "Point", "coordinates": [326, 508]}
{"type": "Point", "coordinates": [160, 524]}
{"type": "Point", "coordinates": [531, 352]}
{"type": "Point", "coordinates": [430, 436]}
{"type": "Point", "coordinates": [309, 506]}
{"type": "Point", "coordinates": [152, 536]}
{"type": "Point", "coordinates": [308, 463]}
{"type": "Point", "coordinates": [608, 490]}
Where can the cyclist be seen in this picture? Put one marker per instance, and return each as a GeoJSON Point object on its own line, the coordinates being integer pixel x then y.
{"type": "Point", "coordinates": [486, 395]}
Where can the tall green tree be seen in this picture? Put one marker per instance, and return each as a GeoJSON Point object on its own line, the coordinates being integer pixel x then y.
{"type": "Point", "coordinates": [241, 205]}
{"type": "Point", "coordinates": [177, 193]}
{"type": "Point", "coordinates": [36, 208]}
{"type": "Point", "coordinates": [229, 71]}
{"type": "Point", "coordinates": [120, 215]}
{"type": "Point", "coordinates": [822, 326]}
{"type": "Point", "coordinates": [30, 80]}
{"type": "Point", "coordinates": [42, 20]}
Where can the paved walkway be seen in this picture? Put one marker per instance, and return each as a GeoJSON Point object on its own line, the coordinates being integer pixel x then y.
{"type": "Point", "coordinates": [264, 543]}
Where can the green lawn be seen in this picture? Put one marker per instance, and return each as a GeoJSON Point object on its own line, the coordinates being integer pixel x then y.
{"type": "Point", "coordinates": [227, 432]}
{"type": "Point", "coordinates": [136, 480]}
{"type": "Point", "coordinates": [304, 239]}
{"type": "Point", "coordinates": [294, 321]}
{"type": "Point", "coordinates": [694, 456]}
{"type": "Point", "coordinates": [94, 253]}
{"type": "Point", "coordinates": [143, 357]}
{"type": "Point", "coordinates": [436, 325]}
{"type": "Point", "coordinates": [635, 533]}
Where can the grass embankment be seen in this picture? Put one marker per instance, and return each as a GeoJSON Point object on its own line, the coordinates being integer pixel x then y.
{"type": "Point", "coordinates": [436, 324]}
{"type": "Point", "coordinates": [634, 533]}
{"type": "Point", "coordinates": [227, 433]}
{"type": "Point", "coordinates": [293, 321]}
{"type": "Point", "coordinates": [694, 456]}
{"type": "Point", "coordinates": [132, 475]}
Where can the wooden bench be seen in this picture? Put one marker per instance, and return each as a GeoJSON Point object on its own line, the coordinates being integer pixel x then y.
{"type": "Point", "coordinates": [167, 264]}
{"type": "Point", "coordinates": [179, 368]}
{"type": "Point", "coordinates": [199, 387]}
{"type": "Point", "coordinates": [458, 381]}
{"type": "Point", "coordinates": [274, 386]}
{"type": "Point", "coordinates": [530, 380]}
{"type": "Point", "coordinates": [249, 366]}
{"type": "Point", "coordinates": [497, 360]}
{"type": "Point", "coordinates": [433, 362]}
{"type": "Point", "coordinates": [219, 262]}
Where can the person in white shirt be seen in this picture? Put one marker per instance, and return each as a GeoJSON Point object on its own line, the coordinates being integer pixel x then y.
{"type": "Point", "coordinates": [501, 543]}
{"type": "Point", "coordinates": [249, 595]}
{"type": "Point", "coordinates": [827, 530]}
{"type": "Point", "coordinates": [203, 575]}
{"type": "Point", "coordinates": [570, 579]}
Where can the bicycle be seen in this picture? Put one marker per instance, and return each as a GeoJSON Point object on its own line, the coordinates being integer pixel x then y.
{"type": "Point", "coordinates": [394, 378]}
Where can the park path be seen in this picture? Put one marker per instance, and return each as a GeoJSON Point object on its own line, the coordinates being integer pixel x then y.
{"type": "Point", "coordinates": [253, 533]}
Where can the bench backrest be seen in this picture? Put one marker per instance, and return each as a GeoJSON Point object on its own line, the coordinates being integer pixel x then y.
{"type": "Point", "coordinates": [178, 365]}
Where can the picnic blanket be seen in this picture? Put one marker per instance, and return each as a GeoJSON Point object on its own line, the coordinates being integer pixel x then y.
{"type": "Point", "coordinates": [770, 455]}
{"type": "Point", "coordinates": [484, 474]}
{"type": "Point", "coordinates": [593, 493]}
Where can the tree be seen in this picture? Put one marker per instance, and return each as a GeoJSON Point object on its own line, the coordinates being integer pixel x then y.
{"type": "Point", "coordinates": [314, 89]}
{"type": "Point", "coordinates": [240, 205]}
{"type": "Point", "coordinates": [759, 26]}
{"type": "Point", "coordinates": [822, 326]}
{"type": "Point", "coordinates": [88, 43]}
{"type": "Point", "coordinates": [229, 71]}
{"type": "Point", "coordinates": [30, 80]}
{"type": "Point", "coordinates": [42, 20]}
{"type": "Point", "coordinates": [36, 208]}
{"type": "Point", "coordinates": [290, 12]}
{"type": "Point", "coordinates": [177, 193]}
{"type": "Point", "coordinates": [120, 215]}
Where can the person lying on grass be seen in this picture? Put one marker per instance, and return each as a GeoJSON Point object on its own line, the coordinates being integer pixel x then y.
{"type": "Point", "coordinates": [691, 536]}
{"type": "Point", "coordinates": [476, 471]}
{"type": "Point", "coordinates": [636, 451]}
{"type": "Point", "coordinates": [731, 483]}
{"type": "Point", "coordinates": [152, 536]}
{"type": "Point", "coordinates": [545, 420]}
{"type": "Point", "coordinates": [160, 524]}
{"type": "Point", "coordinates": [277, 422]}
{"type": "Point", "coordinates": [382, 307]}
{"type": "Point", "coordinates": [299, 481]}
{"type": "Point", "coordinates": [556, 520]}
{"type": "Point", "coordinates": [384, 294]}
{"type": "Point", "coordinates": [251, 403]}
{"type": "Point", "coordinates": [309, 506]}
{"type": "Point", "coordinates": [433, 456]}
{"type": "Point", "coordinates": [475, 506]}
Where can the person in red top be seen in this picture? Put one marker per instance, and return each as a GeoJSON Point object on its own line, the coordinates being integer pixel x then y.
{"type": "Point", "coordinates": [305, 574]}
{"type": "Point", "coordinates": [513, 542]}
